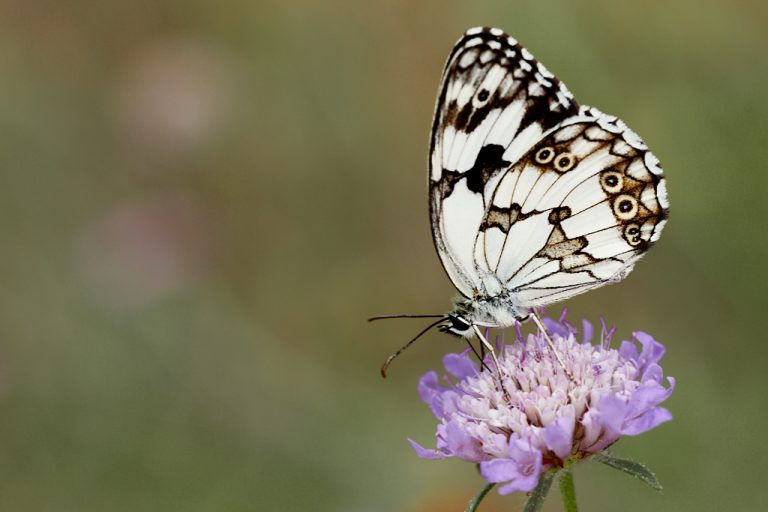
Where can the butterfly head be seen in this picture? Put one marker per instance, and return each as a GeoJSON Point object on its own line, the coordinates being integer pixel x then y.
{"type": "Point", "coordinates": [456, 324]}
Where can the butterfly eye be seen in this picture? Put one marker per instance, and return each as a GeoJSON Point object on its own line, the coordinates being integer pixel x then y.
{"type": "Point", "coordinates": [632, 234]}
{"type": "Point", "coordinates": [612, 181]}
{"type": "Point", "coordinates": [625, 207]}
{"type": "Point", "coordinates": [564, 162]}
{"type": "Point", "coordinates": [545, 155]}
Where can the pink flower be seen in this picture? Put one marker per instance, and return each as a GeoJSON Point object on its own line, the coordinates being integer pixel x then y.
{"type": "Point", "coordinates": [545, 420]}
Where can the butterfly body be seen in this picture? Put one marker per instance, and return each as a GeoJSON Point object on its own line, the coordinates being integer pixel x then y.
{"type": "Point", "coordinates": [499, 311]}
{"type": "Point", "coordinates": [533, 197]}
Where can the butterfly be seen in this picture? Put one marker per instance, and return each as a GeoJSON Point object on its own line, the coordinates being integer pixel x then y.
{"type": "Point", "coordinates": [533, 198]}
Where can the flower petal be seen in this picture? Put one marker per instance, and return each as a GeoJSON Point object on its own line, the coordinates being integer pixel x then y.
{"type": "Point", "coordinates": [611, 412]}
{"type": "Point", "coordinates": [592, 429]}
{"type": "Point", "coordinates": [645, 422]}
{"type": "Point", "coordinates": [628, 351]}
{"type": "Point", "coordinates": [647, 396]}
{"type": "Point", "coordinates": [653, 373]}
{"type": "Point", "coordinates": [461, 445]}
{"type": "Point", "coordinates": [444, 404]}
{"type": "Point", "coordinates": [555, 328]}
{"type": "Point", "coordinates": [521, 484]}
{"type": "Point", "coordinates": [558, 435]}
{"type": "Point", "coordinates": [652, 351]}
{"type": "Point", "coordinates": [460, 366]}
{"type": "Point", "coordinates": [428, 386]}
{"type": "Point", "coordinates": [528, 461]}
{"type": "Point", "coordinates": [499, 470]}
{"type": "Point", "coordinates": [606, 334]}
{"type": "Point", "coordinates": [426, 453]}
{"type": "Point", "coordinates": [522, 471]}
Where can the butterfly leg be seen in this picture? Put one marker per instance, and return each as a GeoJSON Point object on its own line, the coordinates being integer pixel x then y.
{"type": "Point", "coordinates": [487, 345]}
{"type": "Point", "coordinates": [551, 344]}
{"type": "Point", "coordinates": [479, 355]}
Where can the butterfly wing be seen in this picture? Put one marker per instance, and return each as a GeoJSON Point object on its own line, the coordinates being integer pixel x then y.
{"type": "Point", "coordinates": [532, 196]}
{"type": "Point", "coordinates": [575, 213]}
{"type": "Point", "coordinates": [495, 102]}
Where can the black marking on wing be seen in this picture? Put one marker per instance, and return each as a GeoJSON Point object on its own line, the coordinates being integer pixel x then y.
{"type": "Point", "coordinates": [567, 250]}
{"type": "Point", "coordinates": [559, 246]}
{"type": "Point", "coordinates": [546, 109]}
{"type": "Point", "coordinates": [559, 214]}
{"type": "Point", "coordinates": [504, 217]}
{"type": "Point", "coordinates": [489, 162]}
{"type": "Point", "coordinates": [579, 262]}
{"type": "Point", "coordinates": [575, 270]}
{"type": "Point", "coordinates": [539, 111]}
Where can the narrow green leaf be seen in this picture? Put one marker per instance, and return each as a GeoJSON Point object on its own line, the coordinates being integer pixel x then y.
{"type": "Point", "coordinates": [536, 501]}
{"type": "Point", "coordinates": [474, 502]}
{"type": "Point", "coordinates": [630, 467]}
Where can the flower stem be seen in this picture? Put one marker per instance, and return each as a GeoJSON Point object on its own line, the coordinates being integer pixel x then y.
{"type": "Point", "coordinates": [539, 494]}
{"type": "Point", "coordinates": [568, 491]}
{"type": "Point", "coordinates": [474, 502]}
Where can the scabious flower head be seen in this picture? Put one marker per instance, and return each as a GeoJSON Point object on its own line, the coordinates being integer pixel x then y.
{"type": "Point", "coordinates": [542, 419]}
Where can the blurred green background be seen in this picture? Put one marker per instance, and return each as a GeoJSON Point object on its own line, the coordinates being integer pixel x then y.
{"type": "Point", "coordinates": [203, 201]}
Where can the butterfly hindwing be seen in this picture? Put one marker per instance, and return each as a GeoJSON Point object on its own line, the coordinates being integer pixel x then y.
{"type": "Point", "coordinates": [531, 195]}
{"type": "Point", "coordinates": [574, 213]}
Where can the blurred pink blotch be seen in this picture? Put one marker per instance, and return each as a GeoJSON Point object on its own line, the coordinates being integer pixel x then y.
{"type": "Point", "coordinates": [173, 95]}
{"type": "Point", "coordinates": [142, 252]}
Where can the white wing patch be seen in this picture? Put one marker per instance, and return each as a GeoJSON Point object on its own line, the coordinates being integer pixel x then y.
{"type": "Point", "coordinates": [524, 240]}
{"type": "Point", "coordinates": [462, 214]}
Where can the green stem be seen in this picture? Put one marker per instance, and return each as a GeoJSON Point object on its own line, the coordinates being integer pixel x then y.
{"type": "Point", "coordinates": [474, 502]}
{"type": "Point", "coordinates": [539, 494]}
{"type": "Point", "coordinates": [568, 491]}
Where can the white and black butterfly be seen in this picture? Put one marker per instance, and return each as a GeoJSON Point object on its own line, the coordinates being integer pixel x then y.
{"type": "Point", "coordinates": [533, 198]}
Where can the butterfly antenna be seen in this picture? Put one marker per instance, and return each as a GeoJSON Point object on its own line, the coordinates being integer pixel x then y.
{"type": "Point", "coordinates": [402, 349]}
{"type": "Point", "coordinates": [387, 317]}
{"type": "Point", "coordinates": [551, 344]}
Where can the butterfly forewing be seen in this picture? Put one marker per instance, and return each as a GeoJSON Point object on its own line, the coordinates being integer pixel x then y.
{"type": "Point", "coordinates": [494, 104]}
{"type": "Point", "coordinates": [531, 195]}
